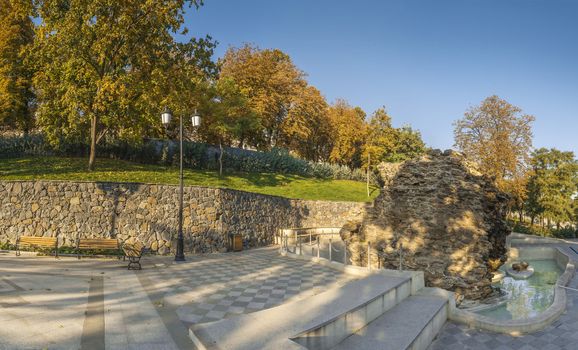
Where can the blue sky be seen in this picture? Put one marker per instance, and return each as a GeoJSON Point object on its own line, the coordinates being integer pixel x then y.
{"type": "Point", "coordinates": [426, 61]}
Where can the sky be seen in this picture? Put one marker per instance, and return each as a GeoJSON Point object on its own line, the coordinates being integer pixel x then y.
{"type": "Point", "coordinates": [426, 61]}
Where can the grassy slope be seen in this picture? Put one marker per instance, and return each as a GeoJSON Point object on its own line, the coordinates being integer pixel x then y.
{"type": "Point", "coordinates": [291, 186]}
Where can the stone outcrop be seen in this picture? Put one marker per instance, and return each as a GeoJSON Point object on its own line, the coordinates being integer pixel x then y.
{"type": "Point", "coordinates": [448, 219]}
{"type": "Point", "coordinates": [149, 213]}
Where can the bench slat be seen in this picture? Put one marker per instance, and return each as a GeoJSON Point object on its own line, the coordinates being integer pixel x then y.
{"type": "Point", "coordinates": [133, 249]}
{"type": "Point", "coordinates": [38, 241]}
{"type": "Point", "coordinates": [98, 243]}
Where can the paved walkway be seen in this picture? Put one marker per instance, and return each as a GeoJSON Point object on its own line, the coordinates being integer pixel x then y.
{"type": "Point", "coordinates": [97, 304]}
{"type": "Point", "coordinates": [214, 287]}
{"type": "Point", "coordinates": [562, 334]}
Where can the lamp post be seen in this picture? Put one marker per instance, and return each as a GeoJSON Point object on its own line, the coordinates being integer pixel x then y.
{"type": "Point", "coordinates": [166, 117]}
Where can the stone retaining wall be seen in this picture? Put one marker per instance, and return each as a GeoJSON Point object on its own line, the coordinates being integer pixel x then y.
{"type": "Point", "coordinates": [150, 213]}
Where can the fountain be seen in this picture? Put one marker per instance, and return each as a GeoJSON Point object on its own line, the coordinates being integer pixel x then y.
{"type": "Point", "coordinates": [521, 270]}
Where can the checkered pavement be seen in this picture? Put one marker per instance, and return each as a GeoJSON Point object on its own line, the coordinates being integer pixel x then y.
{"type": "Point", "coordinates": [212, 287]}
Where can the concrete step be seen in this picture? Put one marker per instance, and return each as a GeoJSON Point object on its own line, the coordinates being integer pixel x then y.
{"type": "Point", "coordinates": [318, 322]}
{"type": "Point", "coordinates": [412, 324]}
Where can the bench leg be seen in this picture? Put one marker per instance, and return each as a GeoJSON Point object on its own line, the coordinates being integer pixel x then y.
{"type": "Point", "coordinates": [134, 263]}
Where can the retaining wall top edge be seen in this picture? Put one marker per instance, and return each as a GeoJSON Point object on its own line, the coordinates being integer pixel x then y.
{"type": "Point", "coordinates": [224, 189]}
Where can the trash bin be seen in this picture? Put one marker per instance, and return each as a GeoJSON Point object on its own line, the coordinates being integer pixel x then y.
{"type": "Point", "coordinates": [236, 242]}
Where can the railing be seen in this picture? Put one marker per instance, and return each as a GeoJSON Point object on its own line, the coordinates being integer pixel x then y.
{"type": "Point", "coordinates": [311, 238]}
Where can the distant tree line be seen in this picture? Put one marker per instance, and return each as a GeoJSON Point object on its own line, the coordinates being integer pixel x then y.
{"type": "Point", "coordinates": [86, 71]}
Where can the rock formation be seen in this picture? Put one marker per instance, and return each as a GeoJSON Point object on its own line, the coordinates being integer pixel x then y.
{"type": "Point", "coordinates": [446, 216]}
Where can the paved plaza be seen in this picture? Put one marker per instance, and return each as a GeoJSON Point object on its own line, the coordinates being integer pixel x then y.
{"type": "Point", "coordinates": [94, 304]}
{"type": "Point", "coordinates": [47, 303]}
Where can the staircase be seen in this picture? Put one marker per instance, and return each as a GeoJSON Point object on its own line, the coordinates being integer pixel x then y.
{"type": "Point", "coordinates": [412, 324]}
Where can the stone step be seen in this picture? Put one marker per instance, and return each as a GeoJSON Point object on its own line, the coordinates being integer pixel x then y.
{"type": "Point", "coordinates": [412, 324]}
{"type": "Point", "coordinates": [318, 322]}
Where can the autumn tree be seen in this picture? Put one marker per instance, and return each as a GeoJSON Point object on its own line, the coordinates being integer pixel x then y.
{"type": "Point", "coordinates": [498, 136]}
{"type": "Point", "coordinates": [349, 133]}
{"type": "Point", "coordinates": [552, 185]}
{"type": "Point", "coordinates": [271, 82]}
{"type": "Point", "coordinates": [16, 92]}
{"type": "Point", "coordinates": [307, 130]}
{"type": "Point", "coordinates": [384, 143]}
{"type": "Point", "coordinates": [96, 59]}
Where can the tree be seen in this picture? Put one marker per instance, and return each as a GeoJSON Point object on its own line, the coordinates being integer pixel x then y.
{"type": "Point", "coordinates": [307, 129]}
{"type": "Point", "coordinates": [228, 116]}
{"type": "Point", "coordinates": [552, 185]}
{"type": "Point", "coordinates": [388, 144]}
{"type": "Point", "coordinates": [271, 82]}
{"type": "Point", "coordinates": [517, 188]}
{"type": "Point", "coordinates": [16, 93]}
{"type": "Point", "coordinates": [97, 60]}
{"type": "Point", "coordinates": [498, 137]}
{"type": "Point", "coordinates": [349, 133]}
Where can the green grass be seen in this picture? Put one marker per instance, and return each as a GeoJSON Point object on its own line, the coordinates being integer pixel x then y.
{"type": "Point", "coordinates": [285, 185]}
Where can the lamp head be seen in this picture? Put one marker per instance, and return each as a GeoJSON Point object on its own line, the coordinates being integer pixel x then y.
{"type": "Point", "coordinates": [166, 116]}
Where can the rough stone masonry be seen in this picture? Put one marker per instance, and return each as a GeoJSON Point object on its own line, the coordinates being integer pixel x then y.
{"type": "Point", "coordinates": [149, 213]}
{"type": "Point", "coordinates": [449, 219]}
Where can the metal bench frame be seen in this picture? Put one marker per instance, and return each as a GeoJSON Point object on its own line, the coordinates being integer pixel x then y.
{"type": "Point", "coordinates": [51, 242]}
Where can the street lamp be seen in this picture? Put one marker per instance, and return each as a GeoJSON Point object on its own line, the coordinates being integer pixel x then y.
{"type": "Point", "coordinates": [166, 117]}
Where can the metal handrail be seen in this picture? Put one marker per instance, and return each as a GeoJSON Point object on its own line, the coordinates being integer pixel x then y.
{"type": "Point", "coordinates": [314, 234]}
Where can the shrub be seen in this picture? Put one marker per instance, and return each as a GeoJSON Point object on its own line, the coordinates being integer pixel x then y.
{"type": "Point", "coordinates": [28, 145]}
{"type": "Point", "coordinates": [537, 230]}
{"type": "Point", "coordinates": [195, 156]}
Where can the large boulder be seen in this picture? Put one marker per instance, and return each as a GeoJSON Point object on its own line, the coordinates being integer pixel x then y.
{"type": "Point", "coordinates": [449, 220]}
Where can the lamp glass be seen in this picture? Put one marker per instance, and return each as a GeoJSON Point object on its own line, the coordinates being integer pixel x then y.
{"type": "Point", "coordinates": [196, 120]}
{"type": "Point", "coordinates": [166, 116]}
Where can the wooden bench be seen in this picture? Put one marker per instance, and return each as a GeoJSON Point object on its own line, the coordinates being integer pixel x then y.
{"type": "Point", "coordinates": [133, 251]}
{"type": "Point", "coordinates": [37, 242]}
{"type": "Point", "coordinates": [97, 244]}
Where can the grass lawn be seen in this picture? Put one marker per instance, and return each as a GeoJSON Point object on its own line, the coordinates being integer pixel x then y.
{"type": "Point", "coordinates": [285, 185]}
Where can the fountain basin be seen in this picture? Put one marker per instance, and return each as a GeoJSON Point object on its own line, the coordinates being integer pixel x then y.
{"type": "Point", "coordinates": [531, 319]}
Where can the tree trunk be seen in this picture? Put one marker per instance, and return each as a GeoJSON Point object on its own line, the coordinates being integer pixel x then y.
{"type": "Point", "coordinates": [220, 158]}
{"type": "Point", "coordinates": [92, 156]}
{"type": "Point", "coordinates": [521, 215]}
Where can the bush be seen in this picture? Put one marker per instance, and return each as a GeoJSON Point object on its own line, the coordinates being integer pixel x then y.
{"type": "Point", "coordinates": [564, 233]}
{"type": "Point", "coordinates": [28, 145]}
{"type": "Point", "coordinates": [537, 230]}
{"type": "Point", "coordinates": [195, 156]}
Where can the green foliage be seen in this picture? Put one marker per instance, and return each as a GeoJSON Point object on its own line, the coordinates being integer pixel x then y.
{"type": "Point", "coordinates": [16, 92]}
{"type": "Point", "coordinates": [284, 185]}
{"type": "Point", "coordinates": [27, 145]}
{"type": "Point", "coordinates": [195, 156]}
{"type": "Point", "coordinates": [552, 184]}
{"type": "Point", "coordinates": [104, 66]}
{"type": "Point", "coordinates": [388, 144]}
{"type": "Point", "coordinates": [6, 246]}
{"type": "Point", "coordinates": [536, 230]}
{"type": "Point", "coordinates": [528, 229]}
